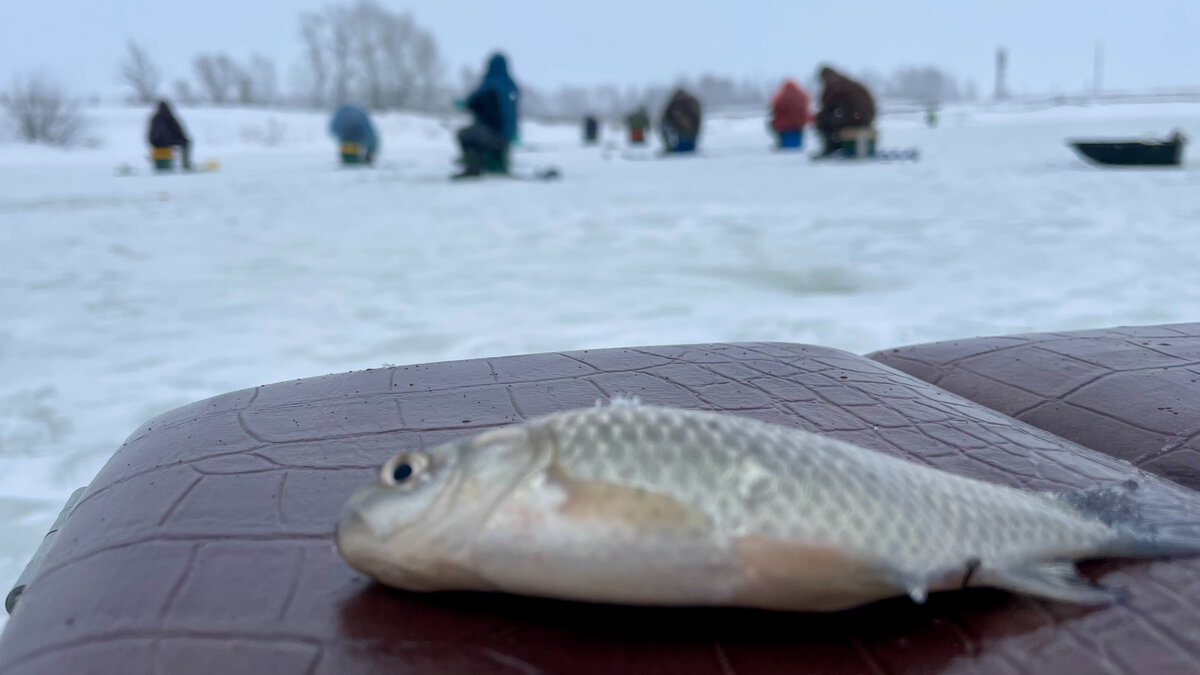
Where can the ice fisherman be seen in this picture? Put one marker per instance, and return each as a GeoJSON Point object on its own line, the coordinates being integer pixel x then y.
{"type": "Point", "coordinates": [845, 104]}
{"type": "Point", "coordinates": [638, 122]}
{"type": "Point", "coordinates": [591, 129]}
{"type": "Point", "coordinates": [352, 126]}
{"type": "Point", "coordinates": [165, 132]}
{"type": "Point", "coordinates": [494, 106]}
{"type": "Point", "coordinates": [680, 124]}
{"type": "Point", "coordinates": [790, 114]}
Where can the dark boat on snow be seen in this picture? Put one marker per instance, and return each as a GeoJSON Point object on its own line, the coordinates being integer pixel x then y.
{"type": "Point", "coordinates": [1167, 152]}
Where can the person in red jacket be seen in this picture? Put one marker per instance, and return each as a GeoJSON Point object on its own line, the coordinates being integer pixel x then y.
{"type": "Point", "coordinates": [790, 114]}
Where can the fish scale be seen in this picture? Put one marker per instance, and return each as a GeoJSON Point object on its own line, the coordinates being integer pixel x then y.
{"type": "Point", "coordinates": [653, 505]}
{"type": "Point", "coordinates": [849, 484]}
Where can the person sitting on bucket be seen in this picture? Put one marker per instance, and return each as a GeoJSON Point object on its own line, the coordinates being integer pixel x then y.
{"type": "Point", "coordinates": [789, 114]}
{"type": "Point", "coordinates": [352, 126]}
{"type": "Point", "coordinates": [591, 129]}
{"type": "Point", "coordinates": [165, 132]}
{"type": "Point", "coordinates": [638, 122]}
{"type": "Point", "coordinates": [845, 104]}
{"type": "Point", "coordinates": [680, 125]}
{"type": "Point", "coordinates": [494, 108]}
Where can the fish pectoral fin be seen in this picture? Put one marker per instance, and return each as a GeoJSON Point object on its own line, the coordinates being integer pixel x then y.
{"type": "Point", "coordinates": [625, 506]}
{"type": "Point", "coordinates": [917, 590]}
{"type": "Point", "coordinates": [1050, 579]}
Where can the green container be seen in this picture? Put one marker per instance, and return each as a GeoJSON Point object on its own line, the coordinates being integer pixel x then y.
{"type": "Point", "coordinates": [850, 147]}
{"type": "Point", "coordinates": [496, 161]}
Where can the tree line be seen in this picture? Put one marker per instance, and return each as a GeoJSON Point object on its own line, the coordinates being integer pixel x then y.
{"type": "Point", "coordinates": [361, 51]}
{"type": "Point", "coordinates": [364, 52]}
{"type": "Point", "coordinates": [355, 52]}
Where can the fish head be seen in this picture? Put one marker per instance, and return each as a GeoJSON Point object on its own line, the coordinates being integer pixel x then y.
{"type": "Point", "coordinates": [414, 526]}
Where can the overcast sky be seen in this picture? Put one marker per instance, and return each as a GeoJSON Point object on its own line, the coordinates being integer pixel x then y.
{"type": "Point", "coordinates": [1148, 43]}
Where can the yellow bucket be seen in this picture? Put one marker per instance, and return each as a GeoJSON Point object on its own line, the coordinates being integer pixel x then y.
{"type": "Point", "coordinates": [164, 158]}
{"type": "Point", "coordinates": [351, 153]}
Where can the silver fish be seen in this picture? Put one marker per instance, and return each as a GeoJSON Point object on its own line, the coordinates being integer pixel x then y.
{"type": "Point", "coordinates": [640, 504]}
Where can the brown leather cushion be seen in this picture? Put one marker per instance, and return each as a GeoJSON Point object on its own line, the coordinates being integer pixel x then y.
{"type": "Point", "coordinates": [1132, 392]}
{"type": "Point", "coordinates": [205, 544]}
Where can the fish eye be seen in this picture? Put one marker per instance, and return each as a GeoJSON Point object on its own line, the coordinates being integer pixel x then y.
{"type": "Point", "coordinates": [403, 468]}
{"type": "Point", "coordinates": [401, 472]}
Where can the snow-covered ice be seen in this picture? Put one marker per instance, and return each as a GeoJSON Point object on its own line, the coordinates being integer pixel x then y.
{"type": "Point", "coordinates": [125, 296]}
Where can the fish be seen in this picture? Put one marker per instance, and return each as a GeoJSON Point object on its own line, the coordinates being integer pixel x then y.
{"type": "Point", "coordinates": [646, 505]}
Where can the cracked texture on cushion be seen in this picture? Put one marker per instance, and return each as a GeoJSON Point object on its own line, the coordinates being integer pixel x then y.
{"type": "Point", "coordinates": [1131, 392]}
{"type": "Point", "coordinates": [205, 544]}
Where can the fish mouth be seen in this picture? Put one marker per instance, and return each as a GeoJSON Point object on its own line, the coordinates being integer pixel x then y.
{"type": "Point", "coordinates": [361, 549]}
{"type": "Point", "coordinates": [354, 537]}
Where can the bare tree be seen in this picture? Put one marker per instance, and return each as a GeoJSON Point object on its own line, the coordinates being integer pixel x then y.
{"type": "Point", "coordinates": [971, 90]}
{"type": "Point", "coordinates": [219, 77]}
{"type": "Point", "coordinates": [183, 92]}
{"type": "Point", "coordinates": [257, 84]}
{"type": "Point", "coordinates": [571, 101]}
{"type": "Point", "coordinates": [372, 26]}
{"type": "Point", "coordinates": [428, 70]}
{"type": "Point", "coordinates": [140, 73]}
{"type": "Point", "coordinates": [533, 102]}
{"type": "Point", "coordinates": [925, 84]}
{"type": "Point", "coordinates": [339, 53]}
{"type": "Point", "coordinates": [396, 35]}
{"type": "Point", "coordinates": [42, 111]}
{"type": "Point", "coordinates": [317, 77]}
{"type": "Point", "coordinates": [606, 101]}
{"type": "Point", "coordinates": [874, 81]}
{"type": "Point", "coordinates": [366, 52]}
{"type": "Point", "coordinates": [468, 77]}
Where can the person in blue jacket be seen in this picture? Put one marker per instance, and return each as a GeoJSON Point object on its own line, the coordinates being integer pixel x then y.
{"type": "Point", "coordinates": [351, 124]}
{"type": "Point", "coordinates": [494, 107]}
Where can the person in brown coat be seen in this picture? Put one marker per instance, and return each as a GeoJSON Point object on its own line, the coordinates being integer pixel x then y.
{"type": "Point", "coordinates": [845, 103]}
{"type": "Point", "coordinates": [680, 125]}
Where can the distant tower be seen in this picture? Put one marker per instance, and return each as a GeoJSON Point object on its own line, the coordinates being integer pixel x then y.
{"type": "Point", "coordinates": [1001, 74]}
{"type": "Point", "coordinates": [1098, 71]}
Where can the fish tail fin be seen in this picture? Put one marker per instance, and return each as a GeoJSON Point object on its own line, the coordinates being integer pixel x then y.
{"type": "Point", "coordinates": [1050, 579]}
{"type": "Point", "coordinates": [1150, 523]}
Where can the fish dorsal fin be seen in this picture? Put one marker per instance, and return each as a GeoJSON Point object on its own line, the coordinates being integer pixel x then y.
{"type": "Point", "coordinates": [1050, 579]}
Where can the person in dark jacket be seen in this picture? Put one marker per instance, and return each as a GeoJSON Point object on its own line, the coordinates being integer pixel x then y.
{"type": "Point", "coordinates": [845, 104]}
{"type": "Point", "coordinates": [591, 129]}
{"type": "Point", "coordinates": [351, 124]}
{"type": "Point", "coordinates": [680, 125]}
{"type": "Point", "coordinates": [165, 132]}
{"type": "Point", "coordinates": [494, 107]}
